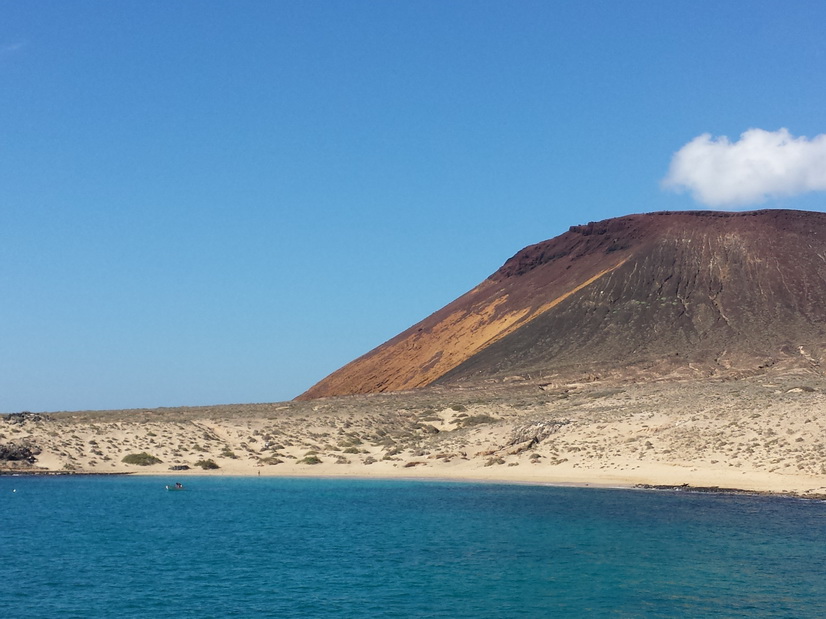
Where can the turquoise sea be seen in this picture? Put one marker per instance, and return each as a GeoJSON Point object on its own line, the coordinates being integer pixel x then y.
{"type": "Point", "coordinates": [262, 547]}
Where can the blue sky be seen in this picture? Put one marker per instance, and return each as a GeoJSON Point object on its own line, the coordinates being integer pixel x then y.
{"type": "Point", "coordinates": [222, 202]}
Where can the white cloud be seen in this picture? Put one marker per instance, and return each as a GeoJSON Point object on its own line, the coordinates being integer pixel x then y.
{"type": "Point", "coordinates": [761, 165]}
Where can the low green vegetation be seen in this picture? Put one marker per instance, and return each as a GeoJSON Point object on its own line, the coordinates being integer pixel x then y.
{"type": "Point", "coordinates": [207, 464]}
{"type": "Point", "coordinates": [141, 459]}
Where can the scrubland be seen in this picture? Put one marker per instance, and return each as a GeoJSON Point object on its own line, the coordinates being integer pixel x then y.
{"type": "Point", "coordinates": [763, 433]}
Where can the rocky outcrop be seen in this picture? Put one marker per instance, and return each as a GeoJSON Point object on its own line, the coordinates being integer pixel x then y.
{"type": "Point", "coordinates": [12, 452]}
{"type": "Point", "coordinates": [23, 418]}
{"type": "Point", "coordinates": [535, 432]}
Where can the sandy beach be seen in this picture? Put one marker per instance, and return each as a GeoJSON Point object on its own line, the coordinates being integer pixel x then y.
{"type": "Point", "coordinates": [762, 433]}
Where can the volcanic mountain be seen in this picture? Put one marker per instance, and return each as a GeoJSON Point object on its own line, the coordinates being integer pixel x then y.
{"type": "Point", "coordinates": [660, 294]}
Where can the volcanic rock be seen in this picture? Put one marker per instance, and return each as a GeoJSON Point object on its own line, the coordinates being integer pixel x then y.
{"type": "Point", "coordinates": [19, 453]}
{"type": "Point", "coordinates": [661, 294]}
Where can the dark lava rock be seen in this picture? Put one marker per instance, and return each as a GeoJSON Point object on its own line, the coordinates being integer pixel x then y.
{"type": "Point", "coordinates": [19, 453]}
{"type": "Point", "coordinates": [23, 418]}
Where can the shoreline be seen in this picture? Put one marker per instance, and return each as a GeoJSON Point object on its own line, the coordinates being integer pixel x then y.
{"type": "Point", "coordinates": [600, 485]}
{"type": "Point", "coordinates": [759, 435]}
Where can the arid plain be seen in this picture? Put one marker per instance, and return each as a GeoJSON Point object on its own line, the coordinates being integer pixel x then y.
{"type": "Point", "coordinates": [763, 433]}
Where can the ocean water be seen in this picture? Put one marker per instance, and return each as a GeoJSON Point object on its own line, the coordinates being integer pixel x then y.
{"type": "Point", "coordinates": [262, 547]}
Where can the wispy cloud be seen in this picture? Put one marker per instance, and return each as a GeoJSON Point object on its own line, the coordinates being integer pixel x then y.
{"type": "Point", "coordinates": [760, 165]}
{"type": "Point", "coordinates": [10, 48]}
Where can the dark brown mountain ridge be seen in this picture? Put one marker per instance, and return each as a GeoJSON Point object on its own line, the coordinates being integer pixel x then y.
{"type": "Point", "coordinates": [661, 294]}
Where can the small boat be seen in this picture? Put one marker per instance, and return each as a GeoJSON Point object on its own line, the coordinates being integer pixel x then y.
{"type": "Point", "coordinates": [175, 487]}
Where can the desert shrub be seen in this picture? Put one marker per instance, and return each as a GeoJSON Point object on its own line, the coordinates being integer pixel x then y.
{"type": "Point", "coordinates": [476, 420]}
{"type": "Point", "coordinates": [351, 450]}
{"type": "Point", "coordinates": [228, 453]}
{"type": "Point", "coordinates": [459, 408]}
{"type": "Point", "coordinates": [311, 459]}
{"type": "Point", "coordinates": [605, 393]}
{"type": "Point", "coordinates": [207, 464]}
{"type": "Point", "coordinates": [271, 460]}
{"type": "Point", "coordinates": [141, 459]}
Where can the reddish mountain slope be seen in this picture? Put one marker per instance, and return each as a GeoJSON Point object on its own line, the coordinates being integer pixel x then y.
{"type": "Point", "coordinates": [656, 293]}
